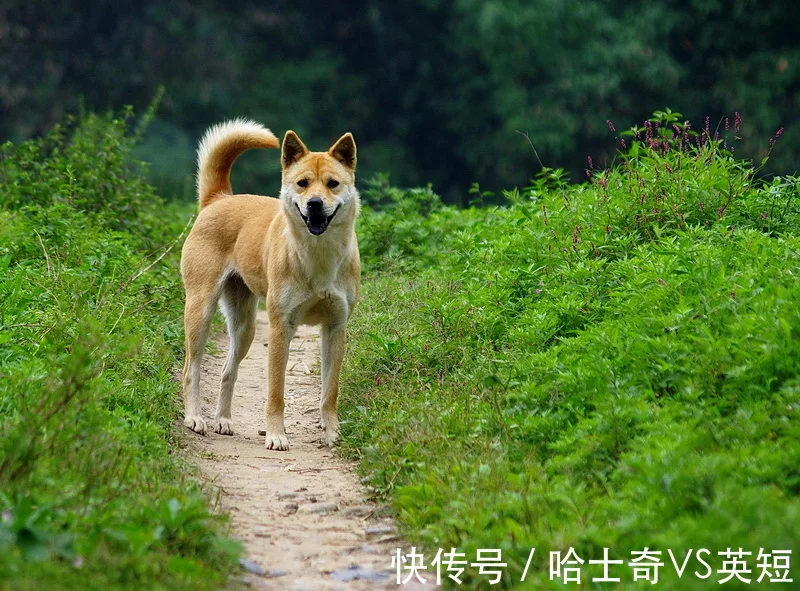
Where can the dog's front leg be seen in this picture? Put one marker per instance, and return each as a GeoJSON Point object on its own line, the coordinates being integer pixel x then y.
{"type": "Point", "coordinates": [280, 335]}
{"type": "Point", "coordinates": [333, 346]}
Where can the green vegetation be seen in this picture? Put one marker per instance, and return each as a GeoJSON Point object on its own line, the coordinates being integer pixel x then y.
{"type": "Point", "coordinates": [612, 364]}
{"type": "Point", "coordinates": [92, 495]}
{"type": "Point", "coordinates": [434, 90]}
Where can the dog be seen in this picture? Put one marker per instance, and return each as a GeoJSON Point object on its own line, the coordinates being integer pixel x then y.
{"type": "Point", "coordinates": [298, 251]}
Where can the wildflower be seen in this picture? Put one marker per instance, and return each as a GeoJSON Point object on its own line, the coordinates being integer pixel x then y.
{"type": "Point", "coordinates": [589, 161]}
{"type": "Point", "coordinates": [779, 133]}
{"type": "Point", "coordinates": [610, 125]}
{"type": "Point", "coordinates": [727, 124]}
{"type": "Point", "coordinates": [737, 122]}
{"type": "Point", "coordinates": [623, 144]}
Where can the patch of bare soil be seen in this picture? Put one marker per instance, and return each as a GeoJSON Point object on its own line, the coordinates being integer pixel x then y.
{"type": "Point", "coordinates": [302, 513]}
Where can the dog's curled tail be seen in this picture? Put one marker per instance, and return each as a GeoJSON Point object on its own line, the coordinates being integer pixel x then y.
{"type": "Point", "coordinates": [219, 148]}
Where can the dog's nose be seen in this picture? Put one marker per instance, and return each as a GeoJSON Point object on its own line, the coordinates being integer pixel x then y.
{"type": "Point", "coordinates": [314, 204]}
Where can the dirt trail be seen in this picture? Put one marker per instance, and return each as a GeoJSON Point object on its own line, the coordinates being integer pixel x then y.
{"type": "Point", "coordinates": [301, 514]}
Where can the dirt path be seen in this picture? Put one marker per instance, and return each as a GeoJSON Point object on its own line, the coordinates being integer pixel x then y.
{"type": "Point", "coordinates": [301, 514]}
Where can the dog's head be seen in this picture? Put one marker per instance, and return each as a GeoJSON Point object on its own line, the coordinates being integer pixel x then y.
{"type": "Point", "coordinates": [318, 188]}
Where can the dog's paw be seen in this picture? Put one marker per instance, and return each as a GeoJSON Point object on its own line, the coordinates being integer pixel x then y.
{"type": "Point", "coordinates": [195, 423]}
{"type": "Point", "coordinates": [330, 428]}
{"type": "Point", "coordinates": [277, 442]}
{"type": "Point", "coordinates": [223, 426]}
{"type": "Point", "coordinates": [330, 437]}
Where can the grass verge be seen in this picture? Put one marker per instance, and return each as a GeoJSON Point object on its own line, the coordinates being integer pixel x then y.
{"type": "Point", "coordinates": [92, 494]}
{"type": "Point", "coordinates": [608, 365]}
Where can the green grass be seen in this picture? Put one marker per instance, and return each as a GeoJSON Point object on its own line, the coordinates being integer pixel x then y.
{"type": "Point", "coordinates": [92, 493]}
{"type": "Point", "coordinates": [606, 365]}
{"type": "Point", "coordinates": [612, 364]}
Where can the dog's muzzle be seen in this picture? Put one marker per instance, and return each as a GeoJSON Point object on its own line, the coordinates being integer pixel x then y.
{"type": "Point", "coordinates": [316, 221]}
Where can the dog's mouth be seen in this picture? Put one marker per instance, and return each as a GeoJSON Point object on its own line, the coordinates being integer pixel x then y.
{"type": "Point", "coordinates": [317, 222]}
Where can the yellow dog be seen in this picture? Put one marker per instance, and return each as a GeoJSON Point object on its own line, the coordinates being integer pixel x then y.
{"type": "Point", "coordinates": [298, 251]}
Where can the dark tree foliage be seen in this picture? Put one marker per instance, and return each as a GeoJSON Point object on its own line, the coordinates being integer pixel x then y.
{"type": "Point", "coordinates": [434, 90]}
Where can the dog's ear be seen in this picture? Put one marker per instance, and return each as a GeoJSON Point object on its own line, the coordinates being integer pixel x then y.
{"type": "Point", "coordinates": [292, 149]}
{"type": "Point", "coordinates": [344, 150]}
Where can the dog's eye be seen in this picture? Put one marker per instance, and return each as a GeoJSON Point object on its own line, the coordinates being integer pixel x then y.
{"type": "Point", "coordinates": [303, 183]}
{"type": "Point", "coordinates": [332, 184]}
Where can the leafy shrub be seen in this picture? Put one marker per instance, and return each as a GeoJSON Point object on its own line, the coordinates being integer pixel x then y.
{"type": "Point", "coordinates": [605, 365]}
{"type": "Point", "coordinates": [91, 494]}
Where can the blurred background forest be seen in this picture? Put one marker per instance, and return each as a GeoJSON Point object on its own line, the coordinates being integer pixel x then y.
{"type": "Point", "coordinates": [435, 91]}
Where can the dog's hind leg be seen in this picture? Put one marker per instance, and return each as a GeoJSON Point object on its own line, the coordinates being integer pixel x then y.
{"type": "Point", "coordinates": [332, 349]}
{"type": "Point", "coordinates": [200, 307]}
{"type": "Point", "coordinates": [239, 305]}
